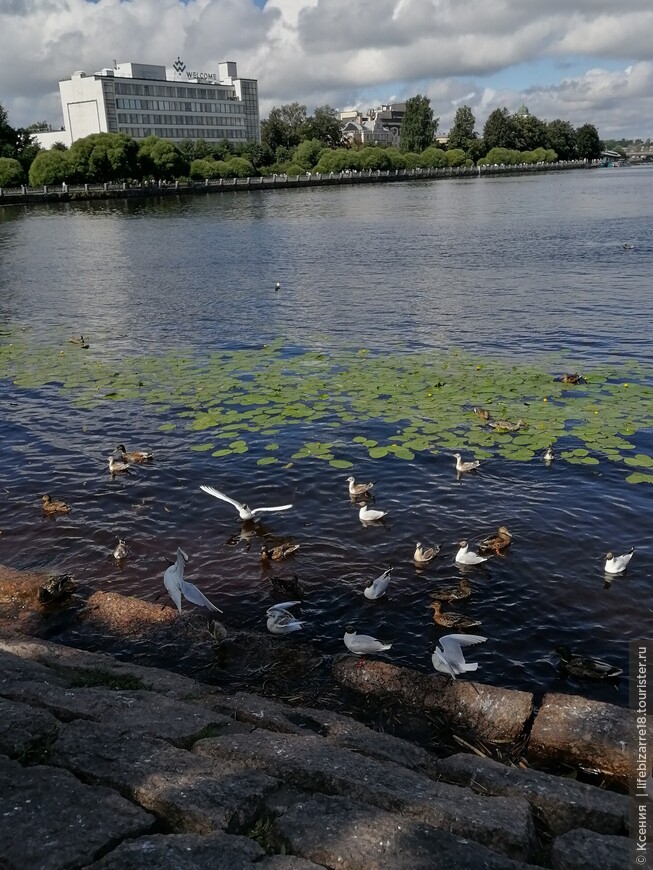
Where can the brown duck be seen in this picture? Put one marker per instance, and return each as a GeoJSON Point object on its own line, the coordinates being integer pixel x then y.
{"type": "Point", "coordinates": [572, 378]}
{"type": "Point", "coordinates": [452, 619]}
{"type": "Point", "coordinates": [275, 554]}
{"type": "Point", "coordinates": [54, 506]}
{"type": "Point", "coordinates": [134, 455]}
{"type": "Point", "coordinates": [496, 543]}
{"type": "Point", "coordinates": [453, 593]}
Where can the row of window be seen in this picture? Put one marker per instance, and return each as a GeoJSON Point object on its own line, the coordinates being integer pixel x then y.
{"type": "Point", "coordinates": [181, 132]}
{"type": "Point", "coordinates": [173, 91]}
{"type": "Point", "coordinates": [227, 108]}
{"type": "Point", "coordinates": [188, 120]}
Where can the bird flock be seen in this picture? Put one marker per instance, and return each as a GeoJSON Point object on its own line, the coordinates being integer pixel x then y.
{"type": "Point", "coordinates": [448, 657]}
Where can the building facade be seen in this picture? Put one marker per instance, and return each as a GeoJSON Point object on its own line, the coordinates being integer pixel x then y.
{"type": "Point", "coordinates": [380, 126]}
{"type": "Point", "coordinates": [144, 99]}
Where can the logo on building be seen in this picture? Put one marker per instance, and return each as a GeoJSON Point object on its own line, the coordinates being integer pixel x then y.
{"type": "Point", "coordinates": [179, 66]}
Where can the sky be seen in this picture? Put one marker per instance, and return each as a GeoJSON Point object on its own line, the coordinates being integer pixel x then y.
{"type": "Point", "coordinates": [584, 61]}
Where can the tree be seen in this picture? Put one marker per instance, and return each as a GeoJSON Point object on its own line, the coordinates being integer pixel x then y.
{"type": "Point", "coordinates": [159, 158]}
{"type": "Point", "coordinates": [325, 126]}
{"type": "Point", "coordinates": [283, 126]}
{"type": "Point", "coordinates": [49, 167]}
{"type": "Point", "coordinates": [307, 153]}
{"type": "Point", "coordinates": [500, 130]}
{"type": "Point", "coordinates": [561, 136]}
{"type": "Point", "coordinates": [240, 168]}
{"type": "Point", "coordinates": [588, 144]}
{"type": "Point", "coordinates": [418, 126]}
{"type": "Point", "coordinates": [433, 158]}
{"type": "Point", "coordinates": [463, 128]}
{"type": "Point", "coordinates": [103, 157]}
{"type": "Point", "coordinates": [205, 168]}
{"type": "Point", "coordinates": [530, 132]}
{"type": "Point", "coordinates": [11, 172]}
{"type": "Point", "coordinates": [456, 157]}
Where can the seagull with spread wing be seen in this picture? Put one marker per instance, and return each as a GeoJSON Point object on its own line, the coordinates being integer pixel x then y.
{"type": "Point", "coordinates": [244, 511]}
{"type": "Point", "coordinates": [448, 657]}
{"type": "Point", "coordinates": [173, 580]}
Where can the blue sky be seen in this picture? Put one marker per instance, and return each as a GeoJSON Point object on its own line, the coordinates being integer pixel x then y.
{"type": "Point", "coordinates": [585, 61]}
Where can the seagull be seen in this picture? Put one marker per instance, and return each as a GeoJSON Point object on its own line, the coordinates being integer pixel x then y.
{"type": "Point", "coordinates": [424, 555]}
{"type": "Point", "coordinates": [362, 644]}
{"type": "Point", "coordinates": [358, 489]}
{"type": "Point", "coordinates": [173, 580]}
{"type": "Point", "coordinates": [367, 515]}
{"type": "Point", "coordinates": [277, 286]}
{"type": "Point", "coordinates": [464, 557]}
{"type": "Point", "coordinates": [465, 466]}
{"type": "Point", "coordinates": [281, 607]}
{"type": "Point", "coordinates": [548, 456]}
{"type": "Point", "coordinates": [244, 512]}
{"type": "Point", "coordinates": [377, 588]}
{"type": "Point", "coordinates": [121, 550]}
{"type": "Point", "coordinates": [448, 657]}
{"type": "Point", "coordinates": [281, 620]}
{"type": "Point", "coordinates": [618, 564]}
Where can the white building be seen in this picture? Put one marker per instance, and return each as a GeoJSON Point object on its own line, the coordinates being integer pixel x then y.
{"type": "Point", "coordinates": [379, 126]}
{"type": "Point", "coordinates": [143, 100]}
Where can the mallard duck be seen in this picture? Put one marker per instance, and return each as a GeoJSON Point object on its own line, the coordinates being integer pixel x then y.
{"type": "Point", "coordinates": [116, 466]}
{"type": "Point", "coordinates": [465, 466]}
{"type": "Point", "coordinates": [288, 586]}
{"type": "Point", "coordinates": [496, 543]}
{"type": "Point", "coordinates": [452, 619]}
{"type": "Point", "coordinates": [465, 557]}
{"type": "Point", "coordinates": [56, 588]}
{"type": "Point", "coordinates": [356, 490]}
{"type": "Point", "coordinates": [507, 426]}
{"type": "Point", "coordinates": [134, 455]}
{"type": "Point", "coordinates": [54, 506]}
{"type": "Point", "coordinates": [617, 564]}
{"type": "Point", "coordinates": [453, 593]}
{"type": "Point", "coordinates": [482, 413]}
{"type": "Point", "coordinates": [422, 556]}
{"type": "Point", "coordinates": [572, 378]}
{"type": "Point", "coordinates": [80, 341]}
{"type": "Point", "coordinates": [587, 668]}
{"type": "Point", "coordinates": [121, 551]}
{"type": "Point", "coordinates": [275, 554]}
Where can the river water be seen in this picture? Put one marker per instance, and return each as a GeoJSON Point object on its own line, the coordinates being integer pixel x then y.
{"type": "Point", "coordinates": [527, 271]}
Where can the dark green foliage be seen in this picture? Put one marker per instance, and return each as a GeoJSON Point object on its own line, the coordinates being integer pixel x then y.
{"type": "Point", "coordinates": [561, 137]}
{"type": "Point", "coordinates": [530, 131]}
{"type": "Point", "coordinates": [11, 172]}
{"type": "Point", "coordinates": [283, 126]}
{"type": "Point", "coordinates": [418, 127]}
{"type": "Point", "coordinates": [104, 157]}
{"type": "Point", "coordinates": [588, 144]}
{"type": "Point", "coordinates": [159, 158]}
{"type": "Point", "coordinates": [500, 130]}
{"type": "Point", "coordinates": [325, 126]}
{"type": "Point", "coordinates": [308, 152]}
{"type": "Point", "coordinates": [49, 167]}
{"type": "Point", "coordinates": [463, 128]}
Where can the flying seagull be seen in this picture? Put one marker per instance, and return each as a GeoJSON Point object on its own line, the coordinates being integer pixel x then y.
{"type": "Point", "coordinates": [244, 512]}
{"type": "Point", "coordinates": [173, 580]}
{"type": "Point", "coordinates": [448, 657]}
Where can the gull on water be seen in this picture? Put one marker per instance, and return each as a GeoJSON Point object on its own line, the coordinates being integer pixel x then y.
{"type": "Point", "coordinates": [423, 555]}
{"type": "Point", "coordinates": [362, 644]}
{"type": "Point", "coordinates": [173, 580]}
{"type": "Point", "coordinates": [121, 551]}
{"type": "Point", "coordinates": [281, 620]}
{"type": "Point", "coordinates": [465, 466]}
{"type": "Point", "coordinates": [448, 657]}
{"type": "Point", "coordinates": [244, 511]}
{"type": "Point", "coordinates": [377, 588]}
{"type": "Point", "coordinates": [618, 564]}
{"type": "Point", "coordinates": [358, 489]}
{"type": "Point", "coordinates": [367, 515]}
{"type": "Point", "coordinates": [465, 557]}
{"type": "Point", "coordinates": [548, 456]}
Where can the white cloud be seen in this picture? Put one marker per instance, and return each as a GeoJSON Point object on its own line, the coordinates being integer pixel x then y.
{"type": "Point", "coordinates": [349, 52]}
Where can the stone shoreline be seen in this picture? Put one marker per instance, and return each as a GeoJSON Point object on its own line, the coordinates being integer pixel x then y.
{"type": "Point", "coordinates": [112, 764]}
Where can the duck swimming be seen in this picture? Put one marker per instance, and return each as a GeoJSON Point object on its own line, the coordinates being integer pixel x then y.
{"type": "Point", "coordinates": [572, 378]}
{"type": "Point", "coordinates": [452, 619]}
{"type": "Point", "coordinates": [453, 593]}
{"type": "Point", "coordinates": [358, 489]}
{"type": "Point", "coordinates": [287, 586]}
{"type": "Point", "coordinates": [461, 466]}
{"type": "Point", "coordinates": [422, 555]}
{"type": "Point", "coordinates": [586, 668]}
{"type": "Point", "coordinates": [54, 506]}
{"type": "Point", "coordinates": [116, 466]}
{"type": "Point", "coordinates": [496, 543]}
{"type": "Point", "coordinates": [121, 551]}
{"type": "Point", "coordinates": [134, 455]}
{"type": "Point", "coordinates": [507, 426]}
{"type": "Point", "coordinates": [80, 341]}
{"type": "Point", "coordinates": [56, 588]}
{"type": "Point", "coordinates": [279, 552]}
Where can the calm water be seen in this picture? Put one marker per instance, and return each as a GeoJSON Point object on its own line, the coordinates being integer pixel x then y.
{"type": "Point", "coordinates": [525, 268]}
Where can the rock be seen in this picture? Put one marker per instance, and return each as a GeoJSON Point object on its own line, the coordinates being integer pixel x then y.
{"type": "Point", "coordinates": [581, 849]}
{"type": "Point", "coordinates": [189, 793]}
{"type": "Point", "coordinates": [562, 804]}
{"type": "Point", "coordinates": [25, 733]}
{"type": "Point", "coordinates": [476, 709]}
{"type": "Point", "coordinates": [50, 820]}
{"type": "Point", "coordinates": [308, 762]}
{"type": "Point", "coordinates": [338, 832]}
{"type": "Point", "coordinates": [581, 733]}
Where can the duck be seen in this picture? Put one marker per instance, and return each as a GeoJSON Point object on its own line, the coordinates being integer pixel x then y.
{"type": "Point", "coordinates": [356, 490]}
{"type": "Point", "coordinates": [116, 466]}
{"type": "Point", "coordinates": [56, 588]}
{"type": "Point", "coordinates": [276, 554]}
{"type": "Point", "coordinates": [507, 425]}
{"type": "Point", "coordinates": [54, 506]}
{"type": "Point", "coordinates": [134, 455]}
{"type": "Point", "coordinates": [584, 667]}
{"type": "Point", "coordinates": [628, 246]}
{"type": "Point", "coordinates": [496, 543]}
{"type": "Point", "coordinates": [618, 564]}
{"type": "Point", "coordinates": [572, 378]}
{"type": "Point", "coordinates": [453, 593]}
{"type": "Point", "coordinates": [482, 413]}
{"type": "Point", "coordinates": [461, 466]}
{"type": "Point", "coordinates": [548, 456]}
{"type": "Point", "coordinates": [287, 586]}
{"type": "Point", "coordinates": [422, 556]}
{"type": "Point", "coordinates": [452, 619]}
{"type": "Point", "coordinates": [121, 550]}
{"type": "Point", "coordinates": [79, 340]}
{"type": "Point", "coordinates": [465, 557]}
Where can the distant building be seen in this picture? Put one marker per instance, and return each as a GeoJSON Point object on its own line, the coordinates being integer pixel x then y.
{"type": "Point", "coordinates": [377, 126]}
{"type": "Point", "coordinates": [523, 111]}
{"type": "Point", "coordinates": [144, 99]}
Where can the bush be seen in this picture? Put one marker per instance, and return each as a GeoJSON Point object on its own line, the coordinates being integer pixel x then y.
{"type": "Point", "coordinates": [11, 172]}
{"type": "Point", "coordinates": [49, 167]}
{"type": "Point", "coordinates": [433, 158]}
{"type": "Point", "coordinates": [205, 168]}
{"type": "Point", "coordinates": [456, 157]}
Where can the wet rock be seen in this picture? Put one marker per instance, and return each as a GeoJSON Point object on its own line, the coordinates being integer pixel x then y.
{"type": "Point", "coordinates": [581, 733]}
{"type": "Point", "coordinates": [50, 820]}
{"type": "Point", "coordinates": [25, 733]}
{"type": "Point", "coordinates": [338, 832]}
{"type": "Point", "coordinates": [308, 762]}
{"type": "Point", "coordinates": [562, 804]}
{"type": "Point", "coordinates": [191, 794]}
{"type": "Point", "coordinates": [581, 849]}
{"type": "Point", "coordinates": [484, 711]}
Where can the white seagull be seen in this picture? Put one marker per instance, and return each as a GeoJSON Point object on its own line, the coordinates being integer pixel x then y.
{"type": "Point", "coordinates": [618, 564]}
{"type": "Point", "coordinates": [465, 466]}
{"type": "Point", "coordinates": [281, 620]}
{"type": "Point", "coordinates": [377, 588]}
{"type": "Point", "coordinates": [448, 657]}
{"type": "Point", "coordinates": [367, 515]}
{"type": "Point", "coordinates": [362, 644]}
{"type": "Point", "coordinates": [173, 580]}
{"type": "Point", "coordinates": [464, 557]}
{"type": "Point", "coordinates": [423, 555]}
{"type": "Point", "coordinates": [358, 489]}
{"type": "Point", "coordinates": [244, 512]}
